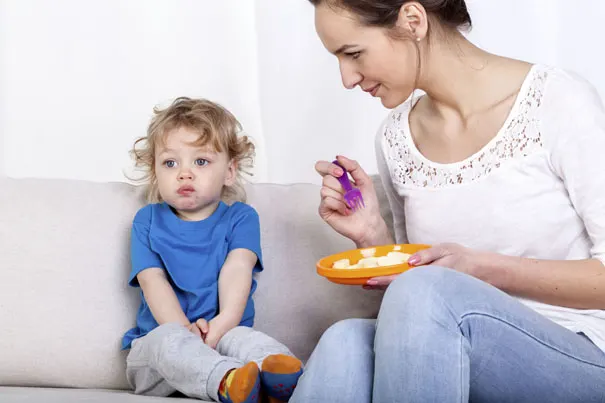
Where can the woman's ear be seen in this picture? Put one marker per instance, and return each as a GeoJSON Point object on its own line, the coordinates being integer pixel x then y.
{"type": "Point", "coordinates": [413, 20]}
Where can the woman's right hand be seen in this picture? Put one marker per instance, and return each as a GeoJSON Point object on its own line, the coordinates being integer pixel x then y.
{"type": "Point", "coordinates": [365, 227]}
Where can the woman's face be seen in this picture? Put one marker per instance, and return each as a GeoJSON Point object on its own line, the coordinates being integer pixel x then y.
{"type": "Point", "coordinates": [368, 57]}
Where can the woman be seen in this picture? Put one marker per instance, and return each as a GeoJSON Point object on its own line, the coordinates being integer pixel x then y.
{"type": "Point", "coordinates": [499, 156]}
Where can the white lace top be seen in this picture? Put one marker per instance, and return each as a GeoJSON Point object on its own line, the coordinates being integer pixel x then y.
{"type": "Point", "coordinates": [537, 189]}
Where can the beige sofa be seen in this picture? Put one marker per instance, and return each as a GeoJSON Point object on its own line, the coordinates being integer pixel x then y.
{"type": "Point", "coordinates": [64, 301]}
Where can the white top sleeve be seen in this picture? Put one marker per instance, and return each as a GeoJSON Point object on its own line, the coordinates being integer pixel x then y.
{"type": "Point", "coordinates": [395, 201]}
{"type": "Point", "coordinates": [573, 119]}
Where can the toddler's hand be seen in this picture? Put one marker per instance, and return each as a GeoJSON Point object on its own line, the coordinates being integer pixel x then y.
{"type": "Point", "coordinates": [194, 329]}
{"type": "Point", "coordinates": [199, 328]}
{"type": "Point", "coordinates": [202, 325]}
{"type": "Point", "coordinates": [217, 327]}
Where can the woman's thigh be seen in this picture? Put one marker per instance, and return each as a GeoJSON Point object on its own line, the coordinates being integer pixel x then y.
{"type": "Point", "coordinates": [446, 334]}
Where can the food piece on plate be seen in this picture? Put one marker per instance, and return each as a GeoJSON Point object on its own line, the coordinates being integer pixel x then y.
{"type": "Point", "coordinates": [341, 264]}
{"type": "Point", "coordinates": [402, 257]}
{"type": "Point", "coordinates": [370, 252]}
{"type": "Point", "coordinates": [368, 262]}
{"type": "Point", "coordinates": [388, 261]}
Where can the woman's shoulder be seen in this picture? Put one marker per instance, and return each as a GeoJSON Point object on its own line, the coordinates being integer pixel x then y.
{"type": "Point", "coordinates": [565, 88]}
{"type": "Point", "coordinates": [570, 110]}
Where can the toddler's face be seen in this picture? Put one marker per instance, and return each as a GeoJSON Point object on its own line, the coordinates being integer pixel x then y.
{"type": "Point", "coordinates": [191, 178]}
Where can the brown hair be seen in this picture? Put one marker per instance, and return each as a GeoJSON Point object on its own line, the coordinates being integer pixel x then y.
{"type": "Point", "coordinates": [216, 127]}
{"type": "Point", "coordinates": [384, 13]}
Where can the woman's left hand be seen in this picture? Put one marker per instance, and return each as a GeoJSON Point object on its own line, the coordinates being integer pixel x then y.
{"type": "Point", "coordinates": [450, 255]}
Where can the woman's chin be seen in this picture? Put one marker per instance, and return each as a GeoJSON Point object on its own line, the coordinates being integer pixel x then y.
{"type": "Point", "coordinates": [391, 100]}
{"type": "Point", "coordinates": [389, 103]}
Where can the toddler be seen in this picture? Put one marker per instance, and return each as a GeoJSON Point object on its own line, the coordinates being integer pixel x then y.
{"type": "Point", "coordinates": [194, 249]}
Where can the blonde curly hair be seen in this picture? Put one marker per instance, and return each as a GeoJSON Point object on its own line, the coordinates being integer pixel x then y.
{"type": "Point", "coordinates": [216, 126]}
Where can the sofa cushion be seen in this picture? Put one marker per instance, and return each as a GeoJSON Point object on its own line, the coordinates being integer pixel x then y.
{"type": "Point", "coordinates": [64, 299]}
{"type": "Point", "coordinates": [46, 395]}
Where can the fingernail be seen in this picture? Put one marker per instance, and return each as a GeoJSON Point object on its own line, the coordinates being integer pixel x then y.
{"type": "Point", "coordinates": [372, 282]}
{"type": "Point", "coordinates": [338, 172]}
{"type": "Point", "coordinates": [414, 260]}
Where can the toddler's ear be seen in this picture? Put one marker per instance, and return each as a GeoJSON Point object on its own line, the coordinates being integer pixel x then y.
{"type": "Point", "coordinates": [231, 175]}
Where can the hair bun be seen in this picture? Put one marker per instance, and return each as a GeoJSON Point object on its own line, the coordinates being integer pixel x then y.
{"type": "Point", "coordinates": [455, 13]}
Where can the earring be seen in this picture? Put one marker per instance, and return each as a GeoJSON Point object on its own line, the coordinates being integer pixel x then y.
{"type": "Point", "coordinates": [418, 39]}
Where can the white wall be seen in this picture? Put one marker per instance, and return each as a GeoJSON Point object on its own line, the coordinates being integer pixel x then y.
{"type": "Point", "coordinates": [556, 32]}
{"type": "Point", "coordinates": [307, 114]}
{"type": "Point", "coordinates": [3, 39]}
{"type": "Point", "coordinates": [78, 79]}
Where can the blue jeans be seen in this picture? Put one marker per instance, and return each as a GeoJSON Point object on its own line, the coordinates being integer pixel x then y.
{"type": "Point", "coordinates": [443, 336]}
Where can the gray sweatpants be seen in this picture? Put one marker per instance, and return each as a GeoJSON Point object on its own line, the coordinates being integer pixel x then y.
{"type": "Point", "coordinates": [170, 358]}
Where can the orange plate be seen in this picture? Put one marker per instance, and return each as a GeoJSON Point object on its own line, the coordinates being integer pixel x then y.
{"type": "Point", "coordinates": [361, 276]}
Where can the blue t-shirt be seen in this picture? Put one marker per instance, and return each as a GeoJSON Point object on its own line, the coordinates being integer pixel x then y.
{"type": "Point", "coordinates": [192, 253]}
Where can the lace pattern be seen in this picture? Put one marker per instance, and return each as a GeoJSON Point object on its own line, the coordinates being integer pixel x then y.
{"type": "Point", "coordinates": [518, 138]}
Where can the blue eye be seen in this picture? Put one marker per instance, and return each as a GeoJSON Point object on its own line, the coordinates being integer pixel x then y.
{"type": "Point", "coordinates": [201, 162]}
{"type": "Point", "coordinates": [170, 163]}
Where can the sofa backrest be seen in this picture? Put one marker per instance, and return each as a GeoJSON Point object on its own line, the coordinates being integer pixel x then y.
{"type": "Point", "coordinates": [64, 260]}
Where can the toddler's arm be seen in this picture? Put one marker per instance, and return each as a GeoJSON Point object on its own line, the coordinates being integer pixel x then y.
{"type": "Point", "coordinates": [160, 297]}
{"type": "Point", "coordinates": [234, 282]}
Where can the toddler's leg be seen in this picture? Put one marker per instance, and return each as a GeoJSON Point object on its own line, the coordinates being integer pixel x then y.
{"type": "Point", "coordinates": [171, 358]}
{"type": "Point", "coordinates": [280, 370]}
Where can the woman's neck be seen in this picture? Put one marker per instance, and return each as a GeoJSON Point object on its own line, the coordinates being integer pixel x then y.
{"type": "Point", "coordinates": [461, 79]}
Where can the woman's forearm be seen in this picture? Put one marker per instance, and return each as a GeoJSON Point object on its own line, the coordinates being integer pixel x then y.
{"type": "Point", "coordinates": [570, 283]}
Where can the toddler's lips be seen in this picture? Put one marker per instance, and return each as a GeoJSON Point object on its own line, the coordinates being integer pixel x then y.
{"type": "Point", "coordinates": [185, 190]}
